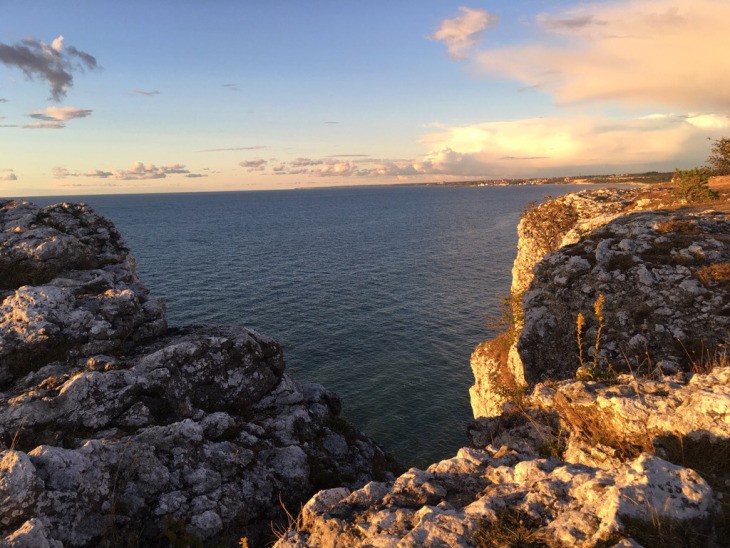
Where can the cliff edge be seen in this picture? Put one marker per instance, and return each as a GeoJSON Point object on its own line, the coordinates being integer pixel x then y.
{"type": "Point", "coordinates": [117, 430]}
{"type": "Point", "coordinates": [603, 414]}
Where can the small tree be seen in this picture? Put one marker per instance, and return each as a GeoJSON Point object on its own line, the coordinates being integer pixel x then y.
{"type": "Point", "coordinates": [691, 185]}
{"type": "Point", "coordinates": [719, 159]}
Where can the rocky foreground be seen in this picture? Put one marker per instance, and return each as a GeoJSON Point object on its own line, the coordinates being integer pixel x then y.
{"type": "Point", "coordinates": [621, 440]}
{"type": "Point", "coordinates": [115, 430]}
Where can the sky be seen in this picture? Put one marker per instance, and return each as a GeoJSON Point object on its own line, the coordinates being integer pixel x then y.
{"type": "Point", "coordinates": [180, 95]}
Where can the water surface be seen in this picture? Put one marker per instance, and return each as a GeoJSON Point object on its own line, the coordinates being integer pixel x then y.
{"type": "Point", "coordinates": [379, 293]}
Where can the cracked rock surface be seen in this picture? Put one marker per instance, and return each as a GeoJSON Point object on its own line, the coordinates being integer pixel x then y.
{"type": "Point", "coordinates": [117, 430]}
{"type": "Point", "coordinates": [581, 464]}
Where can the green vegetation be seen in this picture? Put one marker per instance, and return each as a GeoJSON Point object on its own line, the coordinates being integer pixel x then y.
{"type": "Point", "coordinates": [691, 186]}
{"type": "Point", "coordinates": [719, 159]}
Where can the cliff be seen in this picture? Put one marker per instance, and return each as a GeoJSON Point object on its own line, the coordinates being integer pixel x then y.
{"type": "Point", "coordinates": [612, 430]}
{"type": "Point", "coordinates": [116, 430]}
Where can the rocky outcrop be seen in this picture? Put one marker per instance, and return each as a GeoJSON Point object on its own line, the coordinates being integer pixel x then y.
{"type": "Point", "coordinates": [665, 298]}
{"type": "Point", "coordinates": [542, 229]}
{"type": "Point", "coordinates": [117, 430]}
{"type": "Point", "coordinates": [627, 463]}
{"type": "Point", "coordinates": [661, 276]}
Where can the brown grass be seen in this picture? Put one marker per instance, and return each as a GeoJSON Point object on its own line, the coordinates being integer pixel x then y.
{"type": "Point", "coordinates": [681, 226]}
{"type": "Point", "coordinates": [717, 274]}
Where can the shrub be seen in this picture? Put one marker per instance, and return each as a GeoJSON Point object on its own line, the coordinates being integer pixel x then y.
{"type": "Point", "coordinates": [546, 224]}
{"type": "Point", "coordinates": [719, 159]}
{"type": "Point", "coordinates": [691, 186]}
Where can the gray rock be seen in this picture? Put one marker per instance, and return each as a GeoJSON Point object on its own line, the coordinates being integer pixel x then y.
{"type": "Point", "coordinates": [124, 431]}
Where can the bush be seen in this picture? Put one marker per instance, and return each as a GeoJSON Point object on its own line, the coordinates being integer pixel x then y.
{"type": "Point", "coordinates": [691, 186]}
{"type": "Point", "coordinates": [546, 224]}
{"type": "Point", "coordinates": [719, 159]}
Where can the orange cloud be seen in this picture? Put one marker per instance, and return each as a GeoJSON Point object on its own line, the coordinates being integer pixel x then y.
{"type": "Point", "coordinates": [655, 52]}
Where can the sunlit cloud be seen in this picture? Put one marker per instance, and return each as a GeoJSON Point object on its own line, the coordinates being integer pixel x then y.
{"type": "Point", "coordinates": [636, 53]}
{"type": "Point", "coordinates": [534, 145]}
{"type": "Point", "coordinates": [60, 114]}
{"type": "Point", "coordinates": [709, 121]}
{"type": "Point", "coordinates": [462, 32]}
{"type": "Point", "coordinates": [54, 63]}
{"type": "Point", "coordinates": [8, 175]}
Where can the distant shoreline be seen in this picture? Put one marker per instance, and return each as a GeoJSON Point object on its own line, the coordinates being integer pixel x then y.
{"type": "Point", "coordinates": [653, 177]}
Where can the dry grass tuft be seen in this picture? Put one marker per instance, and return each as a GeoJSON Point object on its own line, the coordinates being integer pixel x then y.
{"type": "Point", "coordinates": [717, 274]}
{"type": "Point", "coordinates": [513, 528]}
{"type": "Point", "coordinates": [681, 226]}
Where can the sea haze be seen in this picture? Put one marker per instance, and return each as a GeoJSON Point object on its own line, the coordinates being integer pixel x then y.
{"type": "Point", "coordinates": [379, 293]}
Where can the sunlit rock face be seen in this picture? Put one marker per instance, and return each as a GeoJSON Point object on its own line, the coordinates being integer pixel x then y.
{"type": "Point", "coordinates": [115, 429]}
{"type": "Point", "coordinates": [582, 463]}
{"type": "Point", "coordinates": [666, 305]}
{"type": "Point", "coordinates": [659, 274]}
{"type": "Point", "coordinates": [552, 225]}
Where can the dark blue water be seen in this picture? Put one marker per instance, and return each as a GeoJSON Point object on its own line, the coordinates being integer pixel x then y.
{"type": "Point", "coordinates": [379, 293]}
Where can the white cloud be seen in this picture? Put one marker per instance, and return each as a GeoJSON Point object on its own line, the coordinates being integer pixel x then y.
{"type": "Point", "coordinates": [8, 175]}
{"type": "Point", "coordinates": [639, 52]}
{"type": "Point", "coordinates": [462, 32]}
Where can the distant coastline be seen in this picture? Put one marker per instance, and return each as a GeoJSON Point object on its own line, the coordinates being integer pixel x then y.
{"type": "Point", "coordinates": [650, 177]}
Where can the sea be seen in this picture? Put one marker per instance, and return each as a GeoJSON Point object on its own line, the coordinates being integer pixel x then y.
{"type": "Point", "coordinates": [379, 293]}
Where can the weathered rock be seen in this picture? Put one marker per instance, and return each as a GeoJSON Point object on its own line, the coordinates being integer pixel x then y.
{"type": "Point", "coordinates": [660, 309]}
{"type": "Point", "coordinates": [71, 288]}
{"type": "Point", "coordinates": [664, 305]}
{"type": "Point", "coordinates": [466, 500]}
{"type": "Point", "coordinates": [542, 230]}
{"type": "Point", "coordinates": [125, 432]}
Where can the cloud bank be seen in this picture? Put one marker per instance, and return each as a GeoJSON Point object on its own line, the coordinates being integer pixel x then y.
{"type": "Point", "coordinates": [137, 171]}
{"type": "Point", "coordinates": [636, 53]}
{"type": "Point", "coordinates": [54, 63]}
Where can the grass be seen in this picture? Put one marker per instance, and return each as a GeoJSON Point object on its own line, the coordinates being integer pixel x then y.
{"type": "Point", "coordinates": [513, 528]}
{"type": "Point", "coordinates": [717, 274]}
{"type": "Point", "coordinates": [681, 226]}
{"type": "Point", "coordinates": [292, 523]}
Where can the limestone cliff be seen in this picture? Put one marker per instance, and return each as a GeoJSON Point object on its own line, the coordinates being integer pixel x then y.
{"type": "Point", "coordinates": [115, 430]}
{"type": "Point", "coordinates": [655, 270]}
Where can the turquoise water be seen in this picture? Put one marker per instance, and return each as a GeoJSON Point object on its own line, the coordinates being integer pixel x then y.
{"type": "Point", "coordinates": [379, 293]}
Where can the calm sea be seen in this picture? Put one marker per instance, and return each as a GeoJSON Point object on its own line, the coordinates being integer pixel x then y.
{"type": "Point", "coordinates": [379, 293]}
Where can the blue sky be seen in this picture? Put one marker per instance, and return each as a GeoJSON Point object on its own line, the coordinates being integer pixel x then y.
{"type": "Point", "coordinates": [226, 95]}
